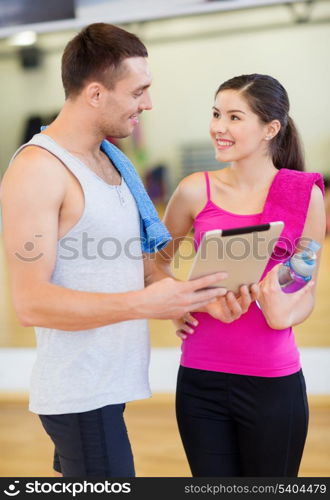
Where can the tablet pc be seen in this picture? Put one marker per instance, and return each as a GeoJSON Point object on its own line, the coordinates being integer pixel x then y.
{"type": "Point", "coordinates": [242, 252]}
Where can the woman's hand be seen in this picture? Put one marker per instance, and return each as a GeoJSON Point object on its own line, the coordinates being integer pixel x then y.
{"type": "Point", "coordinates": [278, 307]}
{"type": "Point", "coordinates": [184, 325]}
{"type": "Point", "coordinates": [229, 308]}
{"type": "Point", "coordinates": [226, 309]}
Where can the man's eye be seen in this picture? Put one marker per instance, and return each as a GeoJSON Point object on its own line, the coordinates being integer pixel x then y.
{"type": "Point", "coordinates": [215, 114]}
{"type": "Point", "coordinates": [138, 94]}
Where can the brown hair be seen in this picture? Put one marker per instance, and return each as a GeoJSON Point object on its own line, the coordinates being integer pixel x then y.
{"type": "Point", "coordinates": [269, 100]}
{"type": "Point", "coordinates": [94, 50]}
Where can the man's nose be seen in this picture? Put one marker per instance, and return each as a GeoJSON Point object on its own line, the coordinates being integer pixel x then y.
{"type": "Point", "coordinates": [146, 104]}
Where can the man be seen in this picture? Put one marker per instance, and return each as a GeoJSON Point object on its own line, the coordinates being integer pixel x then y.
{"type": "Point", "coordinates": [72, 234]}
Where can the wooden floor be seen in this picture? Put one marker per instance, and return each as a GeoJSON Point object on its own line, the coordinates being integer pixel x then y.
{"type": "Point", "coordinates": [26, 450]}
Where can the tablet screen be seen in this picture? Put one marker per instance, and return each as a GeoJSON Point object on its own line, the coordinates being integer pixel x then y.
{"type": "Point", "coordinates": [242, 252]}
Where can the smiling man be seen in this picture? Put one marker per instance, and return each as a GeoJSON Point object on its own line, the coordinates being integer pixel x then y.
{"type": "Point", "coordinates": [67, 188]}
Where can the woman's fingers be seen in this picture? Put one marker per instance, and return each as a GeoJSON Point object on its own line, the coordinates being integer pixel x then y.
{"type": "Point", "coordinates": [245, 298]}
{"type": "Point", "coordinates": [303, 291]}
{"type": "Point", "coordinates": [186, 328]}
{"type": "Point", "coordinates": [189, 318]}
{"type": "Point", "coordinates": [229, 308]}
{"type": "Point", "coordinates": [233, 305]}
{"type": "Point", "coordinates": [271, 279]}
{"type": "Point", "coordinates": [182, 335]}
{"type": "Point", "coordinates": [255, 290]}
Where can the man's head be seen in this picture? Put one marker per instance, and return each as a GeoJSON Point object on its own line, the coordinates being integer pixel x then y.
{"type": "Point", "coordinates": [97, 53]}
{"type": "Point", "coordinates": [105, 67]}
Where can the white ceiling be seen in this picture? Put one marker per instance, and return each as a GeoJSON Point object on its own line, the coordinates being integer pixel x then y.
{"type": "Point", "coordinates": [128, 11]}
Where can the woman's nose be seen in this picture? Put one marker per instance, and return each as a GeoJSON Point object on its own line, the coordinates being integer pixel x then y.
{"type": "Point", "coordinates": [219, 126]}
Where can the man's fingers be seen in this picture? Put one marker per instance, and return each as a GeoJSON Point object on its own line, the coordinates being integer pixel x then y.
{"type": "Point", "coordinates": [199, 305]}
{"type": "Point", "coordinates": [206, 281]}
{"type": "Point", "coordinates": [209, 294]}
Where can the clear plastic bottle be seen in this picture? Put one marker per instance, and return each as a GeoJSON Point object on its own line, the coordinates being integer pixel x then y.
{"type": "Point", "coordinates": [297, 271]}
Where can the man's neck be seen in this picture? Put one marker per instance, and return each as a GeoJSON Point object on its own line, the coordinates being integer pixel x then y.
{"type": "Point", "coordinates": [75, 130]}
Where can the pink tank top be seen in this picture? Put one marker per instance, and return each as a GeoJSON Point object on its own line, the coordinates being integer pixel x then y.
{"type": "Point", "coordinates": [248, 346]}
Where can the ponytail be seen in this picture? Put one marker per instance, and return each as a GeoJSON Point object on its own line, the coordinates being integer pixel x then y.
{"type": "Point", "coordinates": [286, 148]}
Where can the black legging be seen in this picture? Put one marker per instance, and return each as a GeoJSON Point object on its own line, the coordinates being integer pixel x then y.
{"type": "Point", "coordinates": [238, 425]}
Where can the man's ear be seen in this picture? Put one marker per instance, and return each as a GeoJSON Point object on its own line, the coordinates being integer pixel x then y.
{"type": "Point", "coordinates": [94, 93]}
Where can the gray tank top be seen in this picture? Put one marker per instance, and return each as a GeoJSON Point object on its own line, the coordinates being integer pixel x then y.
{"type": "Point", "coordinates": [78, 371]}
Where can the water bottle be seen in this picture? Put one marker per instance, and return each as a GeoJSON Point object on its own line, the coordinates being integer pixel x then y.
{"type": "Point", "coordinates": [297, 271]}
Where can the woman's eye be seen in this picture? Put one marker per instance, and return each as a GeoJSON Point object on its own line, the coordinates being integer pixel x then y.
{"type": "Point", "coordinates": [215, 114]}
{"type": "Point", "coordinates": [138, 94]}
{"type": "Point", "coordinates": [234, 117]}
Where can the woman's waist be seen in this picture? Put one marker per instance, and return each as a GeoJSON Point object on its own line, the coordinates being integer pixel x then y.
{"type": "Point", "coordinates": [250, 333]}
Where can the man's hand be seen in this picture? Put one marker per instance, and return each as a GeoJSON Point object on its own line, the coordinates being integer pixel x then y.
{"type": "Point", "coordinates": [171, 299]}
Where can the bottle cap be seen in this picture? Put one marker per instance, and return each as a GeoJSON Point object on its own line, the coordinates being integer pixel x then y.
{"type": "Point", "coordinates": [304, 262]}
{"type": "Point", "coordinates": [313, 246]}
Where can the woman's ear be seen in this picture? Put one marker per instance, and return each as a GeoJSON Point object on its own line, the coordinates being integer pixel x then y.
{"type": "Point", "coordinates": [272, 129]}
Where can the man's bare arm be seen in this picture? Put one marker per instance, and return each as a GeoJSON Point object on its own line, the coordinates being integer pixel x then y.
{"type": "Point", "coordinates": [33, 191]}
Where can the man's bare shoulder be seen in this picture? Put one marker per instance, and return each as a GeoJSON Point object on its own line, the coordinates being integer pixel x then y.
{"type": "Point", "coordinates": [36, 160]}
{"type": "Point", "coordinates": [35, 169]}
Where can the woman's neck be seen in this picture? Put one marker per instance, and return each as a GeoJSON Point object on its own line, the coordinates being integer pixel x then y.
{"type": "Point", "coordinates": [251, 175]}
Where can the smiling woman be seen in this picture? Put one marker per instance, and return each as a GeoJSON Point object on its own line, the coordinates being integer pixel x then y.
{"type": "Point", "coordinates": [265, 104]}
{"type": "Point", "coordinates": [235, 128]}
{"type": "Point", "coordinates": [240, 376]}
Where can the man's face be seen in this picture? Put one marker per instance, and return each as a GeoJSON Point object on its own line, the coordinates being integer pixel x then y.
{"type": "Point", "coordinates": [129, 97]}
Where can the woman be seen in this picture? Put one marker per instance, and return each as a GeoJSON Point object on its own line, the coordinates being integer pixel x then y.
{"type": "Point", "coordinates": [241, 397]}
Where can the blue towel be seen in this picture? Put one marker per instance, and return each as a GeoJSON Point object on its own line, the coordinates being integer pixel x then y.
{"type": "Point", "coordinates": [154, 235]}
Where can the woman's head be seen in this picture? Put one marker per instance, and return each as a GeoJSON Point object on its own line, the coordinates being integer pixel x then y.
{"type": "Point", "coordinates": [269, 101]}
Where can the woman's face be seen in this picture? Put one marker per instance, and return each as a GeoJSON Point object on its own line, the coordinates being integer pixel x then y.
{"type": "Point", "coordinates": [236, 131]}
